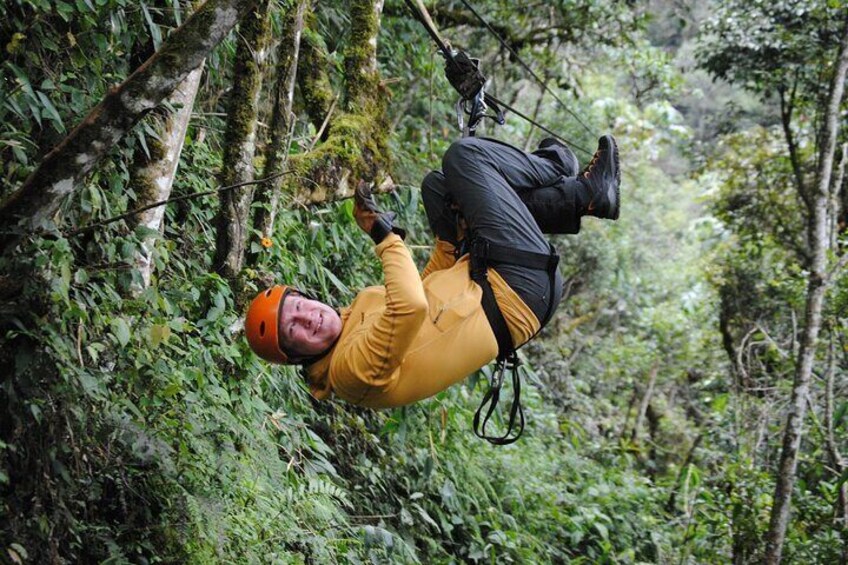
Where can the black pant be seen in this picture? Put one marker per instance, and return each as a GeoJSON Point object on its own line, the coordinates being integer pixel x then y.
{"type": "Point", "coordinates": [509, 197]}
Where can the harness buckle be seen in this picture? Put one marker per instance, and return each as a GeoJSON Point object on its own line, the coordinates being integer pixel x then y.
{"type": "Point", "coordinates": [497, 377]}
{"type": "Point", "coordinates": [553, 259]}
{"type": "Point", "coordinates": [479, 249]}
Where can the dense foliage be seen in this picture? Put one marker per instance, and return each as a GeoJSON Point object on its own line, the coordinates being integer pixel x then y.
{"type": "Point", "coordinates": [137, 427]}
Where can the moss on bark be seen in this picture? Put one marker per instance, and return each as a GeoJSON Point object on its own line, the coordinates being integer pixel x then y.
{"type": "Point", "coordinates": [312, 78]}
{"type": "Point", "coordinates": [288, 53]}
{"type": "Point", "coordinates": [360, 56]}
{"type": "Point", "coordinates": [240, 141]}
{"type": "Point", "coordinates": [356, 145]}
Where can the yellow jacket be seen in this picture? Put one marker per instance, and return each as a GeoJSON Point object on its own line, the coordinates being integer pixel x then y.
{"type": "Point", "coordinates": [415, 336]}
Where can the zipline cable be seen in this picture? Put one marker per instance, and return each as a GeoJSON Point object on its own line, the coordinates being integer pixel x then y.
{"type": "Point", "coordinates": [537, 124]}
{"type": "Point", "coordinates": [423, 16]}
{"type": "Point", "coordinates": [525, 65]}
{"type": "Point", "coordinates": [131, 213]}
{"type": "Point", "coordinates": [419, 12]}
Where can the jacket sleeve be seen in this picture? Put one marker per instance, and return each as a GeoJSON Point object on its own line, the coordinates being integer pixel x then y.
{"type": "Point", "coordinates": [372, 358]}
{"type": "Point", "coordinates": [442, 257]}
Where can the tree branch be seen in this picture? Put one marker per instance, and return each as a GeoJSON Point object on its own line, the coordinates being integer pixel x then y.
{"type": "Point", "coordinates": [786, 108]}
{"type": "Point", "coordinates": [62, 170]}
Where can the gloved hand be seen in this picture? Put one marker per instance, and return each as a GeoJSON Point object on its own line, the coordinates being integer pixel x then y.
{"type": "Point", "coordinates": [368, 216]}
{"type": "Point", "coordinates": [465, 75]}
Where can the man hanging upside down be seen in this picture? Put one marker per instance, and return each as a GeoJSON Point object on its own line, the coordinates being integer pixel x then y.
{"type": "Point", "coordinates": [419, 334]}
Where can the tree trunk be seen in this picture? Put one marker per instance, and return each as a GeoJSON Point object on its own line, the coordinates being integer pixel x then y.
{"type": "Point", "coordinates": [233, 221]}
{"type": "Point", "coordinates": [153, 176]}
{"type": "Point", "coordinates": [62, 170]}
{"type": "Point", "coordinates": [281, 121]}
{"type": "Point", "coordinates": [815, 297]}
{"type": "Point", "coordinates": [360, 57]}
{"type": "Point", "coordinates": [690, 456]}
{"type": "Point", "coordinates": [313, 82]}
{"type": "Point", "coordinates": [836, 199]}
{"type": "Point", "coordinates": [356, 144]}
{"type": "Point", "coordinates": [836, 460]}
{"type": "Point", "coordinates": [643, 407]}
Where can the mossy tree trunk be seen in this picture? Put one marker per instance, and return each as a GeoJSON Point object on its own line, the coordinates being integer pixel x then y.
{"type": "Point", "coordinates": [153, 175]}
{"type": "Point", "coordinates": [282, 120]}
{"type": "Point", "coordinates": [33, 206]}
{"type": "Point", "coordinates": [233, 220]}
{"type": "Point", "coordinates": [356, 145]}
{"type": "Point", "coordinates": [312, 78]}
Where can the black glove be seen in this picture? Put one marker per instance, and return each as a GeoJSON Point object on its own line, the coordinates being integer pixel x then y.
{"type": "Point", "coordinates": [383, 221]}
{"type": "Point", "coordinates": [464, 75]}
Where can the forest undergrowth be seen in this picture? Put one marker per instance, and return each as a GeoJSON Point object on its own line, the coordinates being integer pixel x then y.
{"type": "Point", "coordinates": [138, 427]}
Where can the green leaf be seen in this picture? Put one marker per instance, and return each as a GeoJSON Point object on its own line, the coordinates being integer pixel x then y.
{"type": "Point", "coordinates": [121, 331]}
{"type": "Point", "coordinates": [144, 232]}
{"type": "Point", "coordinates": [127, 403]}
{"type": "Point", "coordinates": [427, 518]}
{"type": "Point", "coordinates": [602, 530]}
{"type": "Point", "coordinates": [178, 12]}
{"type": "Point", "coordinates": [23, 79]}
{"type": "Point", "coordinates": [839, 416]}
{"type": "Point", "coordinates": [52, 113]}
{"type": "Point", "coordinates": [36, 412]}
{"type": "Point", "coordinates": [720, 402]}
{"type": "Point", "coordinates": [177, 324]}
{"type": "Point", "coordinates": [842, 478]}
{"type": "Point", "coordinates": [347, 208]}
{"type": "Point", "coordinates": [340, 286]}
{"type": "Point", "coordinates": [155, 33]}
{"type": "Point", "coordinates": [66, 11]}
{"type": "Point", "coordinates": [172, 390]}
{"type": "Point", "coordinates": [159, 333]}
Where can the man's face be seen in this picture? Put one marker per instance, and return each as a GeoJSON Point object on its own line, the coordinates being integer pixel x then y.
{"type": "Point", "coordinates": [308, 327]}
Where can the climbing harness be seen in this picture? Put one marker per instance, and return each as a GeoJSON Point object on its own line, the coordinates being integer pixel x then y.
{"type": "Point", "coordinates": [485, 254]}
{"type": "Point", "coordinates": [465, 76]}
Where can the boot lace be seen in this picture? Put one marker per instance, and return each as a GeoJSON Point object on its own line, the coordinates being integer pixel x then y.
{"type": "Point", "coordinates": [588, 168]}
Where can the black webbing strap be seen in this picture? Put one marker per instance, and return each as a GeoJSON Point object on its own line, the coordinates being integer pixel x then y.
{"type": "Point", "coordinates": [488, 252]}
{"type": "Point", "coordinates": [492, 397]}
{"type": "Point", "coordinates": [483, 253]}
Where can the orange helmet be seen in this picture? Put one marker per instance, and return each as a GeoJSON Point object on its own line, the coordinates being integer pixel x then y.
{"type": "Point", "coordinates": [263, 322]}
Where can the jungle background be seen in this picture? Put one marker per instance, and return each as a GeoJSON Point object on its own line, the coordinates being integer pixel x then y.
{"type": "Point", "coordinates": [686, 405]}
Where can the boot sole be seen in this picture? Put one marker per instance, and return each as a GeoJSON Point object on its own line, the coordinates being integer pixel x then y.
{"type": "Point", "coordinates": [614, 193]}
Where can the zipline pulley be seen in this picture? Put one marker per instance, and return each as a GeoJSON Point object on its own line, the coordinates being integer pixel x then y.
{"type": "Point", "coordinates": [476, 110]}
{"type": "Point", "coordinates": [465, 76]}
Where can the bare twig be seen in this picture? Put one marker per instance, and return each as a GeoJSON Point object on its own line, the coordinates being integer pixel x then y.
{"type": "Point", "coordinates": [324, 124]}
{"type": "Point", "coordinates": [834, 272]}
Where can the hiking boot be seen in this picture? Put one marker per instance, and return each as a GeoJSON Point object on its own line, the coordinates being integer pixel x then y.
{"type": "Point", "coordinates": [602, 177]}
